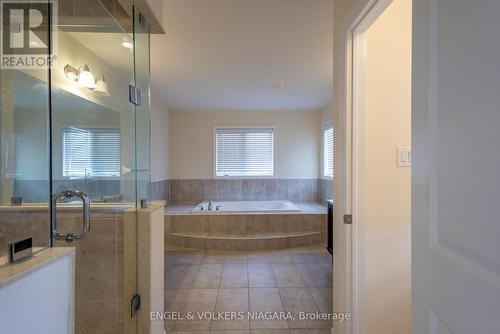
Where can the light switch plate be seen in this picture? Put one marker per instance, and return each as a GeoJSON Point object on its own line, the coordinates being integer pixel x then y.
{"type": "Point", "coordinates": [404, 156]}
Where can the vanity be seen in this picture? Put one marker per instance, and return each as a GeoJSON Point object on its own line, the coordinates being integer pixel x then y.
{"type": "Point", "coordinates": [37, 294]}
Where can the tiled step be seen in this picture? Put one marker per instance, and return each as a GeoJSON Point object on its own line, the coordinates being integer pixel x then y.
{"type": "Point", "coordinates": [244, 242]}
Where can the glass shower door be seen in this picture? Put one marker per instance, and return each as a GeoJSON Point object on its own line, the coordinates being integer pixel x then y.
{"type": "Point", "coordinates": [93, 150]}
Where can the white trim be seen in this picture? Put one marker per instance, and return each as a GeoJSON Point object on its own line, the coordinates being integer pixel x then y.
{"type": "Point", "coordinates": [354, 116]}
{"type": "Point", "coordinates": [246, 177]}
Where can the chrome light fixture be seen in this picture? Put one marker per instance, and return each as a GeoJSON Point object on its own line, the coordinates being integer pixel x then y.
{"type": "Point", "coordinates": [86, 79]}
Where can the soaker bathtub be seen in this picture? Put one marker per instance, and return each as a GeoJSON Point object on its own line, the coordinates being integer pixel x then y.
{"type": "Point", "coordinates": [235, 207]}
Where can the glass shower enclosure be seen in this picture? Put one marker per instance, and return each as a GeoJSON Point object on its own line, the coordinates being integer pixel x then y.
{"type": "Point", "coordinates": [74, 140]}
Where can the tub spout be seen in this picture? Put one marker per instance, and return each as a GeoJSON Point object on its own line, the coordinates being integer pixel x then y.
{"type": "Point", "coordinates": [210, 205]}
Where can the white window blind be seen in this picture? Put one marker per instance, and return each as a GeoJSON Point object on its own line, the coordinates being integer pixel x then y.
{"type": "Point", "coordinates": [244, 151]}
{"type": "Point", "coordinates": [328, 150]}
{"type": "Point", "coordinates": [91, 152]}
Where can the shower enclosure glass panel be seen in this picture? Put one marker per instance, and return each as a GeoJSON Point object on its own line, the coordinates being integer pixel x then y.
{"type": "Point", "coordinates": [93, 140]}
{"type": "Point", "coordinates": [24, 159]}
{"type": "Point", "coordinates": [70, 132]}
{"type": "Point", "coordinates": [142, 121]}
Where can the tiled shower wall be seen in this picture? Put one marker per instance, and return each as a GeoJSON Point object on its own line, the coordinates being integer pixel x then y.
{"type": "Point", "coordinates": [196, 190]}
{"type": "Point", "coordinates": [160, 190]}
{"type": "Point", "coordinates": [101, 290]}
{"type": "Point", "coordinates": [325, 190]}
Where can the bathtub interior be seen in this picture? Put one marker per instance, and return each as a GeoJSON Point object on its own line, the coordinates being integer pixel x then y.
{"type": "Point", "coordinates": [246, 206]}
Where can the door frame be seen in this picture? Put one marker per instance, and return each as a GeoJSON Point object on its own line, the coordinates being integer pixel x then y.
{"type": "Point", "coordinates": [354, 163]}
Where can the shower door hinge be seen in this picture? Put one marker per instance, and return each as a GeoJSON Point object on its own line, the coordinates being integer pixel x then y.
{"type": "Point", "coordinates": [348, 219]}
{"type": "Point", "coordinates": [142, 20]}
{"type": "Point", "coordinates": [134, 95]}
{"type": "Point", "coordinates": [135, 305]}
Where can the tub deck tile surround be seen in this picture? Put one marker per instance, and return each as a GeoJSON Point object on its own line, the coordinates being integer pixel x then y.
{"type": "Point", "coordinates": [245, 231]}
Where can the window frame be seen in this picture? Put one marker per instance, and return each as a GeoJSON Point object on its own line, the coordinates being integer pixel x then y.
{"type": "Point", "coordinates": [325, 126]}
{"type": "Point", "coordinates": [214, 153]}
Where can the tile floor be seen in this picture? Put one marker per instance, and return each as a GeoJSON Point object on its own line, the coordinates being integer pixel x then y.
{"type": "Point", "coordinates": [291, 281]}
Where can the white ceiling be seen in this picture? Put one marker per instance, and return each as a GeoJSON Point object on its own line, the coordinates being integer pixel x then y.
{"type": "Point", "coordinates": [226, 54]}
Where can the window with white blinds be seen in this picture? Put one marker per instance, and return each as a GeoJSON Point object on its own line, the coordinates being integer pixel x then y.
{"type": "Point", "coordinates": [328, 150]}
{"type": "Point", "coordinates": [91, 152]}
{"type": "Point", "coordinates": [244, 152]}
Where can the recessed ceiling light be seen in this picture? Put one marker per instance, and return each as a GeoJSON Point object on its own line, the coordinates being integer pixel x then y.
{"type": "Point", "coordinates": [281, 85]}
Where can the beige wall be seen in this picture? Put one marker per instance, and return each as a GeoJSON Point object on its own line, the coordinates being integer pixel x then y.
{"type": "Point", "coordinates": [326, 114]}
{"type": "Point", "coordinates": [387, 187]}
{"type": "Point", "coordinates": [297, 144]}
{"type": "Point", "coordinates": [160, 147]}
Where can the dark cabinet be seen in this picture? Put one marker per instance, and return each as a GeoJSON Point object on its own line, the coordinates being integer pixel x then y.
{"type": "Point", "coordinates": [330, 227]}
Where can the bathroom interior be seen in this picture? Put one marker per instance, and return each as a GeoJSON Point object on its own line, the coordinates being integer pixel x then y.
{"type": "Point", "coordinates": [132, 181]}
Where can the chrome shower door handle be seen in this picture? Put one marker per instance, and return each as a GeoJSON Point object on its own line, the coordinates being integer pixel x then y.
{"type": "Point", "coordinates": [86, 214]}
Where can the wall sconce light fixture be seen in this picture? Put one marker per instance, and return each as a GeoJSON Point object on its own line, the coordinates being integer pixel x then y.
{"type": "Point", "coordinates": [71, 73]}
{"type": "Point", "coordinates": [86, 79]}
{"type": "Point", "coordinates": [101, 85]}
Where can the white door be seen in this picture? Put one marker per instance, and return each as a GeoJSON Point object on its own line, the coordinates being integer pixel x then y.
{"type": "Point", "coordinates": [456, 167]}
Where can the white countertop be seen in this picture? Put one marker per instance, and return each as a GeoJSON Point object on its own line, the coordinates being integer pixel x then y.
{"type": "Point", "coordinates": [10, 273]}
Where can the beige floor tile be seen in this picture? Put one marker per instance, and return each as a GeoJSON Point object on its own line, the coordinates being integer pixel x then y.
{"type": "Point", "coordinates": [314, 276]}
{"type": "Point", "coordinates": [257, 258]}
{"type": "Point", "coordinates": [282, 257]}
{"type": "Point", "coordinates": [266, 300]}
{"type": "Point", "coordinates": [298, 301]}
{"type": "Point", "coordinates": [303, 258]}
{"type": "Point", "coordinates": [287, 276]}
{"type": "Point", "coordinates": [208, 276]}
{"type": "Point", "coordinates": [261, 276]}
{"type": "Point", "coordinates": [174, 299]}
{"type": "Point", "coordinates": [214, 258]}
{"type": "Point", "coordinates": [323, 258]}
{"type": "Point", "coordinates": [232, 300]}
{"type": "Point", "coordinates": [311, 331]}
{"type": "Point", "coordinates": [180, 275]}
{"type": "Point", "coordinates": [303, 274]}
{"type": "Point", "coordinates": [236, 257]}
{"type": "Point", "coordinates": [190, 257]}
{"type": "Point", "coordinates": [323, 298]}
{"type": "Point", "coordinates": [234, 275]}
{"type": "Point", "coordinates": [197, 300]}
